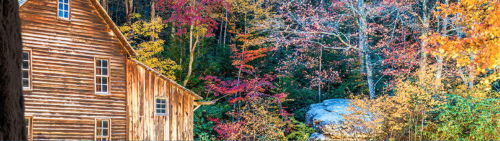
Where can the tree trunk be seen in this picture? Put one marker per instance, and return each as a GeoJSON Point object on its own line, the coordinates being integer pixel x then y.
{"type": "Point", "coordinates": [12, 124]}
{"type": "Point", "coordinates": [319, 74]}
{"type": "Point", "coordinates": [192, 48]}
{"type": "Point", "coordinates": [423, 43]}
{"type": "Point", "coordinates": [440, 58]}
{"type": "Point", "coordinates": [363, 42]}
{"type": "Point", "coordinates": [129, 7]}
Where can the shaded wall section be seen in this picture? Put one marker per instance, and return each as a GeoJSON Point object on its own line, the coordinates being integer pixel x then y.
{"type": "Point", "coordinates": [144, 85]}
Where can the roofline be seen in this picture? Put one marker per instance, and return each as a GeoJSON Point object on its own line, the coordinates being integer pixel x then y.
{"type": "Point", "coordinates": [22, 3]}
{"type": "Point", "coordinates": [111, 25]}
{"type": "Point", "coordinates": [197, 97]}
{"type": "Point", "coordinates": [113, 28]}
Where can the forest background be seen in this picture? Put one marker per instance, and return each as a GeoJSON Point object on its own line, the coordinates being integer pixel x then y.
{"type": "Point", "coordinates": [420, 69]}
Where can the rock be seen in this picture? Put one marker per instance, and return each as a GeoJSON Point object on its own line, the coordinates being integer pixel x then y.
{"type": "Point", "coordinates": [327, 118]}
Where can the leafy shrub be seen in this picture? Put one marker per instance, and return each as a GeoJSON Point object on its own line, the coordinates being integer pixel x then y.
{"type": "Point", "coordinates": [468, 118]}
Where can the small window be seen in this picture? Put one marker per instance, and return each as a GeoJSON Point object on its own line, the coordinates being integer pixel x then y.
{"type": "Point", "coordinates": [102, 130]}
{"type": "Point", "coordinates": [102, 76]}
{"type": "Point", "coordinates": [63, 9]}
{"type": "Point", "coordinates": [26, 68]}
{"type": "Point", "coordinates": [161, 104]}
{"type": "Point", "coordinates": [29, 126]}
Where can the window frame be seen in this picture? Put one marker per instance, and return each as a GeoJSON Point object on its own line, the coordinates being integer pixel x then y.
{"type": "Point", "coordinates": [69, 11]}
{"type": "Point", "coordinates": [95, 128]}
{"type": "Point", "coordinates": [166, 106]}
{"type": "Point", "coordinates": [109, 76]}
{"type": "Point", "coordinates": [30, 127]}
{"type": "Point", "coordinates": [30, 72]}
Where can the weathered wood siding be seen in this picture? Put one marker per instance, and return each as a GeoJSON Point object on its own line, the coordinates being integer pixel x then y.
{"type": "Point", "coordinates": [62, 101]}
{"type": "Point", "coordinates": [144, 86]}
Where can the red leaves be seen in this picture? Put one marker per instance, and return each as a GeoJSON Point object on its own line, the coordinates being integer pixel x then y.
{"type": "Point", "coordinates": [188, 12]}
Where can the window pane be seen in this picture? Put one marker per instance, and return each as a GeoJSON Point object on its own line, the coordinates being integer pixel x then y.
{"type": "Point", "coordinates": [98, 88]}
{"type": "Point", "coordinates": [105, 132]}
{"type": "Point", "coordinates": [98, 63]}
{"type": "Point", "coordinates": [99, 132]}
{"type": "Point", "coordinates": [60, 6]}
{"type": "Point", "coordinates": [26, 83]}
{"type": "Point", "coordinates": [158, 111]}
{"type": "Point", "coordinates": [66, 1]}
{"type": "Point", "coordinates": [26, 65]}
{"type": "Point", "coordinates": [98, 80]}
{"type": "Point", "coordinates": [104, 71]}
{"type": "Point", "coordinates": [66, 7]}
{"type": "Point", "coordinates": [26, 56]}
{"type": "Point", "coordinates": [98, 71]}
{"type": "Point", "coordinates": [60, 0]}
{"type": "Point", "coordinates": [163, 101]}
{"type": "Point", "coordinates": [104, 63]}
{"type": "Point", "coordinates": [163, 106]}
{"type": "Point", "coordinates": [65, 14]}
{"type": "Point", "coordinates": [104, 80]}
{"type": "Point", "coordinates": [99, 123]}
{"type": "Point", "coordinates": [26, 74]}
{"type": "Point", "coordinates": [105, 124]}
{"type": "Point", "coordinates": [163, 111]}
{"type": "Point", "coordinates": [157, 100]}
{"type": "Point", "coordinates": [104, 139]}
{"type": "Point", "coordinates": [104, 88]}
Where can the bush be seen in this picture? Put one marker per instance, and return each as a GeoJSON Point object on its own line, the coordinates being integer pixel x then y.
{"type": "Point", "coordinates": [468, 118]}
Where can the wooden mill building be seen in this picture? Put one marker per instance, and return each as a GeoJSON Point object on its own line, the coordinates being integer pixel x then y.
{"type": "Point", "coordinates": [80, 81]}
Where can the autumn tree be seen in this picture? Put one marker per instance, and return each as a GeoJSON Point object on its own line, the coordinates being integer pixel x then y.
{"type": "Point", "coordinates": [144, 37]}
{"type": "Point", "coordinates": [194, 16]}
{"type": "Point", "coordinates": [338, 25]}
{"type": "Point", "coordinates": [475, 44]}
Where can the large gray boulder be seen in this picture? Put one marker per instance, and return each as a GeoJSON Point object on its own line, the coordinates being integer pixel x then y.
{"type": "Point", "coordinates": [327, 118]}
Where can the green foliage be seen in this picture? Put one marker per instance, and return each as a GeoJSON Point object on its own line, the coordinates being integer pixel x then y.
{"type": "Point", "coordinates": [299, 131]}
{"type": "Point", "coordinates": [204, 128]}
{"type": "Point", "coordinates": [468, 118]}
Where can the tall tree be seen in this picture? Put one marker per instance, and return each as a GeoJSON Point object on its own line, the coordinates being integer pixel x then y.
{"type": "Point", "coordinates": [197, 16]}
{"type": "Point", "coordinates": [12, 123]}
{"type": "Point", "coordinates": [475, 46]}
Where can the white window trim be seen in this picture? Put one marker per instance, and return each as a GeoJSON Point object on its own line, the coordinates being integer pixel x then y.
{"type": "Point", "coordinates": [30, 76]}
{"type": "Point", "coordinates": [108, 76]}
{"type": "Point", "coordinates": [109, 129]}
{"type": "Point", "coordinates": [69, 10]}
{"type": "Point", "coordinates": [166, 106]}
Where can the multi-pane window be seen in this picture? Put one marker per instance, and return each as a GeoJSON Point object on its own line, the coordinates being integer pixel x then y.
{"type": "Point", "coordinates": [28, 126]}
{"type": "Point", "coordinates": [161, 106]}
{"type": "Point", "coordinates": [26, 68]}
{"type": "Point", "coordinates": [102, 76]}
{"type": "Point", "coordinates": [63, 9]}
{"type": "Point", "coordinates": [102, 130]}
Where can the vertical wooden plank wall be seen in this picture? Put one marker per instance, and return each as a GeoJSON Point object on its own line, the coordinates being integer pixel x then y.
{"type": "Point", "coordinates": [144, 87]}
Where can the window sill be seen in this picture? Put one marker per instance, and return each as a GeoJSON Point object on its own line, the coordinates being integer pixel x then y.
{"type": "Point", "coordinates": [105, 94]}
{"type": "Point", "coordinates": [161, 115]}
{"type": "Point", "coordinates": [27, 89]}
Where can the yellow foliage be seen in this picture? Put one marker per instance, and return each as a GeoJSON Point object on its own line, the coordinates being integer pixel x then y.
{"type": "Point", "coordinates": [478, 35]}
{"type": "Point", "coordinates": [143, 36]}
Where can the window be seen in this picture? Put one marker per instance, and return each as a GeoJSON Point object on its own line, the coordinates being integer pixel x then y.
{"type": "Point", "coordinates": [63, 9]}
{"type": "Point", "coordinates": [161, 106]}
{"type": "Point", "coordinates": [26, 68]}
{"type": "Point", "coordinates": [102, 76]}
{"type": "Point", "coordinates": [29, 126]}
{"type": "Point", "coordinates": [102, 130]}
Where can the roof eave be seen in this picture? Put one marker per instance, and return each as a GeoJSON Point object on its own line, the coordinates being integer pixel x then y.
{"type": "Point", "coordinates": [114, 28]}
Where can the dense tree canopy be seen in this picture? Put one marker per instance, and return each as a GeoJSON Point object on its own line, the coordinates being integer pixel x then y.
{"type": "Point", "coordinates": [265, 62]}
